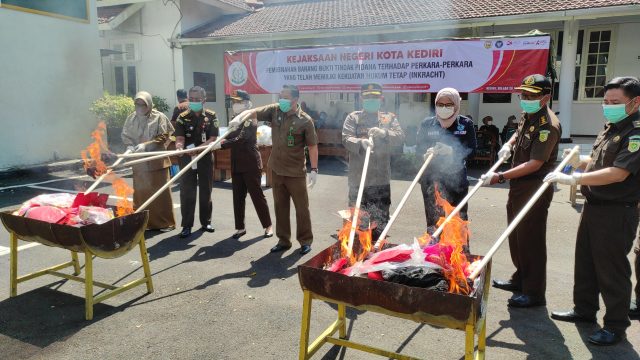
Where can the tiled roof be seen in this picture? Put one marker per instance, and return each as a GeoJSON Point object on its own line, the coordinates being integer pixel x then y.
{"type": "Point", "coordinates": [237, 3]}
{"type": "Point", "coordinates": [309, 15]}
{"type": "Point", "coordinates": [107, 13]}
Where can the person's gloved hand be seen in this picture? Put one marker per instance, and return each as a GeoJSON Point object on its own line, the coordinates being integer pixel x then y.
{"type": "Point", "coordinates": [505, 151]}
{"type": "Point", "coordinates": [377, 133]}
{"type": "Point", "coordinates": [487, 178]}
{"type": "Point", "coordinates": [217, 146]}
{"type": "Point", "coordinates": [576, 159]}
{"type": "Point", "coordinates": [236, 121]}
{"type": "Point", "coordinates": [366, 143]}
{"type": "Point", "coordinates": [442, 149]}
{"type": "Point", "coordinates": [312, 178]}
{"type": "Point", "coordinates": [139, 148]}
{"type": "Point", "coordinates": [131, 149]}
{"type": "Point", "coordinates": [562, 178]}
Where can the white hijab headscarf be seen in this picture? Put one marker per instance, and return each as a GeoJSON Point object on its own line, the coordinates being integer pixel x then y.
{"type": "Point", "coordinates": [453, 95]}
{"type": "Point", "coordinates": [140, 129]}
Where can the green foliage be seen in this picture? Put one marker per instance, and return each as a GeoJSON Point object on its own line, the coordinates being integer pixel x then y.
{"type": "Point", "coordinates": [160, 104]}
{"type": "Point", "coordinates": [113, 109]}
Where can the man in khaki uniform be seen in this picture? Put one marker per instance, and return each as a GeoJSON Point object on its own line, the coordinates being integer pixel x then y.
{"type": "Point", "coordinates": [384, 129]}
{"type": "Point", "coordinates": [535, 150]}
{"type": "Point", "coordinates": [292, 131]}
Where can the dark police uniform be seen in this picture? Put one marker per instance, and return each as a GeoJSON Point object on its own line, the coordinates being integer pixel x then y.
{"type": "Point", "coordinates": [246, 174]}
{"type": "Point", "coordinates": [449, 172]}
{"type": "Point", "coordinates": [291, 133]}
{"type": "Point", "coordinates": [537, 138]}
{"type": "Point", "coordinates": [196, 130]}
{"type": "Point", "coordinates": [376, 196]}
{"type": "Point", "coordinates": [608, 226]}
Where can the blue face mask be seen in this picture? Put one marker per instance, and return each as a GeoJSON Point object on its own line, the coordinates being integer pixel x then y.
{"type": "Point", "coordinates": [530, 106]}
{"type": "Point", "coordinates": [615, 113]}
{"type": "Point", "coordinates": [285, 105]}
{"type": "Point", "coordinates": [195, 106]}
{"type": "Point", "coordinates": [371, 105]}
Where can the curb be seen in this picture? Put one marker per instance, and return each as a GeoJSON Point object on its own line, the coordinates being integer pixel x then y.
{"type": "Point", "coordinates": [75, 164]}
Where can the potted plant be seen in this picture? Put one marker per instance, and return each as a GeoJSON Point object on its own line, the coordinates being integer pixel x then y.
{"type": "Point", "coordinates": [113, 110]}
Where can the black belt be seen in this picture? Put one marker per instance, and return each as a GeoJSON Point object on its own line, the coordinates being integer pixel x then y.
{"type": "Point", "coordinates": [612, 203]}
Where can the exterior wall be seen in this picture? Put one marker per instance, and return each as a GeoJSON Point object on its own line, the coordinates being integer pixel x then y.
{"type": "Point", "coordinates": [50, 76]}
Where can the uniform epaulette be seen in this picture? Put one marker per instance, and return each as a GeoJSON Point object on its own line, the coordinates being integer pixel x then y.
{"type": "Point", "coordinates": [209, 112]}
{"type": "Point", "coordinates": [185, 113]}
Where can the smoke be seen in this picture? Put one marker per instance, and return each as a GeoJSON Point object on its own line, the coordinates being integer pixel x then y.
{"type": "Point", "coordinates": [448, 170]}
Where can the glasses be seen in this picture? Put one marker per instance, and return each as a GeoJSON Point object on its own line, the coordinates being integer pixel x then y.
{"type": "Point", "coordinates": [446, 106]}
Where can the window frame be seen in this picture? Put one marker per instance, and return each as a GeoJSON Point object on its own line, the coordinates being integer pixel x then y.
{"type": "Point", "coordinates": [584, 57]}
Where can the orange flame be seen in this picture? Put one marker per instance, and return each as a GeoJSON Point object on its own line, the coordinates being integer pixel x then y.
{"type": "Point", "coordinates": [91, 156]}
{"type": "Point", "coordinates": [454, 234]}
{"type": "Point", "coordinates": [123, 191]}
{"type": "Point", "coordinates": [425, 239]}
{"type": "Point", "coordinates": [364, 238]}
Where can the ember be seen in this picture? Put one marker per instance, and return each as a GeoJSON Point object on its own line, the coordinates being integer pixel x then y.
{"type": "Point", "coordinates": [92, 155]}
{"type": "Point", "coordinates": [364, 239]}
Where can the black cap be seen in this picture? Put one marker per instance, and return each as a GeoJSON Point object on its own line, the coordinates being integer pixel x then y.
{"type": "Point", "coordinates": [371, 89]}
{"type": "Point", "coordinates": [181, 94]}
{"type": "Point", "coordinates": [239, 95]}
{"type": "Point", "coordinates": [536, 84]}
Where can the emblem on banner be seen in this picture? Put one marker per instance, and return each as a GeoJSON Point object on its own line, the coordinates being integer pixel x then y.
{"type": "Point", "coordinates": [487, 44]}
{"type": "Point", "coordinates": [237, 73]}
{"type": "Point", "coordinates": [499, 44]}
{"type": "Point", "coordinates": [544, 135]}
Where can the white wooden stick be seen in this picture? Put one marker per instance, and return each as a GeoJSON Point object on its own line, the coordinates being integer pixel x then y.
{"type": "Point", "coordinates": [99, 180]}
{"type": "Point", "coordinates": [186, 168]}
{"type": "Point", "coordinates": [356, 210]}
{"type": "Point", "coordinates": [143, 154]}
{"type": "Point", "coordinates": [466, 198]}
{"type": "Point", "coordinates": [520, 216]}
{"type": "Point", "coordinates": [383, 235]}
{"type": "Point", "coordinates": [163, 154]}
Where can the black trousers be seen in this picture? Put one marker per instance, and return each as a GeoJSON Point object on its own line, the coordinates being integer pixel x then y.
{"type": "Point", "coordinates": [528, 241]}
{"type": "Point", "coordinates": [376, 200]}
{"type": "Point", "coordinates": [249, 182]}
{"type": "Point", "coordinates": [605, 238]}
{"type": "Point", "coordinates": [453, 195]}
{"type": "Point", "coordinates": [192, 181]}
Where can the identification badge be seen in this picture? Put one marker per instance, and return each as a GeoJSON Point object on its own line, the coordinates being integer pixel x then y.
{"type": "Point", "coordinates": [204, 137]}
{"type": "Point", "coordinates": [290, 139]}
{"type": "Point", "coordinates": [544, 135]}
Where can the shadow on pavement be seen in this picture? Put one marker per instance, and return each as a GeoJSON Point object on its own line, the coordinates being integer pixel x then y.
{"type": "Point", "coordinates": [171, 244]}
{"type": "Point", "coordinates": [223, 249]}
{"type": "Point", "coordinates": [623, 350]}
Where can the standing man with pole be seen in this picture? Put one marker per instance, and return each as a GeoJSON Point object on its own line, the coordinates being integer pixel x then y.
{"type": "Point", "coordinates": [292, 132]}
{"type": "Point", "coordinates": [610, 185]}
{"type": "Point", "coordinates": [535, 150]}
{"type": "Point", "coordinates": [195, 127]}
{"type": "Point", "coordinates": [384, 129]}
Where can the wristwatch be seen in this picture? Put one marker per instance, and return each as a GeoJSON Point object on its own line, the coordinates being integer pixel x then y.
{"type": "Point", "coordinates": [501, 178]}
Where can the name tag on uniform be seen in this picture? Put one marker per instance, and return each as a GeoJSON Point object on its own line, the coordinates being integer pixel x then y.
{"type": "Point", "coordinates": [290, 138]}
{"type": "Point", "coordinates": [433, 133]}
{"type": "Point", "coordinates": [204, 137]}
{"type": "Point", "coordinates": [459, 132]}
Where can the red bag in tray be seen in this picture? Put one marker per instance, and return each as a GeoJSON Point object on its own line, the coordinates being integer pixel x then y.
{"type": "Point", "coordinates": [50, 214]}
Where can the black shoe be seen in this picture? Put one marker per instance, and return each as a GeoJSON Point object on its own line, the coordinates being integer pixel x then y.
{"type": "Point", "coordinates": [279, 248]}
{"type": "Point", "coordinates": [268, 233]}
{"type": "Point", "coordinates": [606, 337]}
{"type": "Point", "coordinates": [572, 316]}
{"type": "Point", "coordinates": [634, 312]}
{"type": "Point", "coordinates": [506, 285]}
{"type": "Point", "coordinates": [208, 228]}
{"type": "Point", "coordinates": [185, 232]}
{"type": "Point", "coordinates": [239, 234]}
{"type": "Point", "coordinates": [304, 249]}
{"type": "Point", "coordinates": [526, 301]}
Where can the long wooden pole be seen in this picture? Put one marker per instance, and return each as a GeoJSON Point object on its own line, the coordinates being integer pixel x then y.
{"type": "Point", "coordinates": [393, 217]}
{"type": "Point", "coordinates": [164, 155]}
{"type": "Point", "coordinates": [465, 200]}
{"type": "Point", "coordinates": [356, 210]}
{"type": "Point", "coordinates": [103, 176]}
{"type": "Point", "coordinates": [186, 168]}
{"type": "Point", "coordinates": [158, 154]}
{"type": "Point", "coordinates": [520, 216]}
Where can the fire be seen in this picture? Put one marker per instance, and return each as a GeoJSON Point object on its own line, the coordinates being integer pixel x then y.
{"type": "Point", "coordinates": [364, 238]}
{"type": "Point", "coordinates": [123, 191]}
{"type": "Point", "coordinates": [455, 234]}
{"type": "Point", "coordinates": [91, 156]}
{"type": "Point", "coordinates": [425, 239]}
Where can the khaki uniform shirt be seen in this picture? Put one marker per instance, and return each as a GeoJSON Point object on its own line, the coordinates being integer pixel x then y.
{"type": "Point", "coordinates": [356, 127]}
{"type": "Point", "coordinates": [618, 146]}
{"type": "Point", "coordinates": [290, 134]}
{"type": "Point", "coordinates": [537, 139]}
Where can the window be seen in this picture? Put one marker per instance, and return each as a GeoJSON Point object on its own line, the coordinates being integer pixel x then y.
{"type": "Point", "coordinates": [207, 81]}
{"type": "Point", "coordinates": [125, 81]}
{"type": "Point", "coordinates": [125, 77]}
{"type": "Point", "coordinates": [342, 97]}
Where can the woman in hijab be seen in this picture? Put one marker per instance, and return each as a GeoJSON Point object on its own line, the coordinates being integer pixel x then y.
{"type": "Point", "coordinates": [448, 171]}
{"type": "Point", "coordinates": [145, 130]}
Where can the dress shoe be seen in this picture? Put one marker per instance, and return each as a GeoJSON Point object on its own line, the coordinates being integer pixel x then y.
{"type": "Point", "coordinates": [634, 312]}
{"type": "Point", "coordinates": [506, 285]}
{"type": "Point", "coordinates": [606, 337]}
{"type": "Point", "coordinates": [208, 228]}
{"type": "Point", "coordinates": [239, 234]}
{"type": "Point", "coordinates": [526, 301]}
{"type": "Point", "coordinates": [279, 248]}
{"type": "Point", "coordinates": [572, 316]}
{"type": "Point", "coordinates": [304, 249]}
{"type": "Point", "coordinates": [167, 229]}
{"type": "Point", "coordinates": [185, 232]}
{"type": "Point", "coordinates": [268, 233]}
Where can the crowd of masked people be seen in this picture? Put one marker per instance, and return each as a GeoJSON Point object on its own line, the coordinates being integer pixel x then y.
{"type": "Point", "coordinates": [609, 179]}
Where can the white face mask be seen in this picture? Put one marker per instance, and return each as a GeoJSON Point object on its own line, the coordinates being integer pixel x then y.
{"type": "Point", "coordinates": [444, 113]}
{"type": "Point", "coordinates": [241, 106]}
{"type": "Point", "coordinates": [141, 110]}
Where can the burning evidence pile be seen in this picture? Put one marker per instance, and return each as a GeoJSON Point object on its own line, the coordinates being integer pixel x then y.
{"type": "Point", "coordinates": [441, 264]}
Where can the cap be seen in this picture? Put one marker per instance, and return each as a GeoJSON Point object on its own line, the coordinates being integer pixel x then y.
{"type": "Point", "coordinates": [371, 89]}
{"type": "Point", "coordinates": [536, 84]}
{"type": "Point", "coordinates": [239, 95]}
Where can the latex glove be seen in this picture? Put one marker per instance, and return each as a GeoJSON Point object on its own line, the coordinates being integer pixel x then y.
{"type": "Point", "coordinates": [236, 121]}
{"type": "Point", "coordinates": [505, 151]}
{"type": "Point", "coordinates": [217, 146]}
{"type": "Point", "coordinates": [561, 178]}
{"type": "Point", "coordinates": [576, 160]}
{"type": "Point", "coordinates": [442, 149]}
{"type": "Point", "coordinates": [131, 149]}
{"type": "Point", "coordinates": [312, 178]}
{"type": "Point", "coordinates": [139, 148]}
{"type": "Point", "coordinates": [486, 178]}
{"type": "Point", "coordinates": [366, 143]}
{"type": "Point", "coordinates": [377, 133]}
